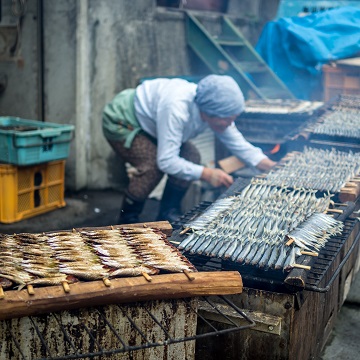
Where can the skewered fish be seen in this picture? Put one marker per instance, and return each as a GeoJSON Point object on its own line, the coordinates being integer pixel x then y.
{"type": "Point", "coordinates": [66, 256]}
{"type": "Point", "coordinates": [345, 123]}
{"type": "Point", "coordinates": [316, 169]}
{"type": "Point", "coordinates": [255, 226]}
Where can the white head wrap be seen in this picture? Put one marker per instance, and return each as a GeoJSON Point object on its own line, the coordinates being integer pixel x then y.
{"type": "Point", "coordinates": [219, 96]}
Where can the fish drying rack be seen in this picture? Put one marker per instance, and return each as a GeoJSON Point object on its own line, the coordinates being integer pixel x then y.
{"type": "Point", "coordinates": [301, 136]}
{"type": "Point", "coordinates": [324, 269]}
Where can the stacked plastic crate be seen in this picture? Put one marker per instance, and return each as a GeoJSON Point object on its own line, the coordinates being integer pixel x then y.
{"type": "Point", "coordinates": [32, 167]}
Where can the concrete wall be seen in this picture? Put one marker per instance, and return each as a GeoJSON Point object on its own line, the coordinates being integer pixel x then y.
{"type": "Point", "coordinates": [19, 71]}
{"type": "Point", "coordinates": [92, 50]}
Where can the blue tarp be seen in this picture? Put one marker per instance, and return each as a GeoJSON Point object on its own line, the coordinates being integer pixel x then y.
{"type": "Point", "coordinates": [297, 47]}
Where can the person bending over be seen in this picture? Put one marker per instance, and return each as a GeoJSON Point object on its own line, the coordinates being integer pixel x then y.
{"type": "Point", "coordinates": [150, 128]}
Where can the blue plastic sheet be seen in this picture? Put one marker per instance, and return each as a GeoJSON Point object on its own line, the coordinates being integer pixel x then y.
{"type": "Point", "coordinates": [297, 47]}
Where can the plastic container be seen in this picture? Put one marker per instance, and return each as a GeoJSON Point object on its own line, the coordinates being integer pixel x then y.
{"type": "Point", "coordinates": [26, 191]}
{"type": "Point", "coordinates": [28, 142]}
{"type": "Point", "coordinates": [340, 80]}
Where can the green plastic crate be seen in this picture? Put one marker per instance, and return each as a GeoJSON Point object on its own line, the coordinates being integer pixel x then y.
{"type": "Point", "coordinates": [28, 142]}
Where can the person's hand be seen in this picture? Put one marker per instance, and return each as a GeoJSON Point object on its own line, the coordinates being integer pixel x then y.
{"type": "Point", "coordinates": [216, 177]}
{"type": "Point", "coordinates": [266, 164]}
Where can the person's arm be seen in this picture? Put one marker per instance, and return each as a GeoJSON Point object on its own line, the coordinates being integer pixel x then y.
{"type": "Point", "coordinates": [242, 149]}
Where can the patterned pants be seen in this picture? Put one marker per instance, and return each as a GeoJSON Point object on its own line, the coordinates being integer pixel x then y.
{"type": "Point", "coordinates": [142, 156]}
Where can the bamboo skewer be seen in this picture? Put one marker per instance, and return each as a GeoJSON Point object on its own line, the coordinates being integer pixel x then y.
{"type": "Point", "coordinates": [290, 242]}
{"type": "Point", "coordinates": [175, 242]}
{"type": "Point", "coordinates": [30, 290]}
{"type": "Point", "coordinates": [65, 286]}
{"type": "Point", "coordinates": [146, 276]}
{"type": "Point", "coordinates": [299, 266]}
{"type": "Point", "coordinates": [339, 211]}
{"type": "Point", "coordinates": [185, 231]}
{"type": "Point", "coordinates": [303, 252]}
{"type": "Point", "coordinates": [190, 277]}
{"type": "Point", "coordinates": [2, 295]}
{"type": "Point", "coordinates": [107, 282]}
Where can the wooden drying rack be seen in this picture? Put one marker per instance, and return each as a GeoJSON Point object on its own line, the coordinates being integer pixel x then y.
{"type": "Point", "coordinates": [30, 301]}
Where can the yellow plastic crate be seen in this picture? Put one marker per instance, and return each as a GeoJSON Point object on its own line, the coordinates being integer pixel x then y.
{"type": "Point", "coordinates": [27, 191]}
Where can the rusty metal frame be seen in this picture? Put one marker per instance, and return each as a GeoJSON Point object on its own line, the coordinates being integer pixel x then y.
{"type": "Point", "coordinates": [146, 342]}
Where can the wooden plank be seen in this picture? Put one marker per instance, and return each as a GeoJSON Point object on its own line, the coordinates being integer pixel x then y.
{"type": "Point", "coordinates": [231, 164]}
{"type": "Point", "coordinates": [87, 294]}
{"type": "Point", "coordinates": [348, 194]}
{"type": "Point", "coordinates": [296, 279]}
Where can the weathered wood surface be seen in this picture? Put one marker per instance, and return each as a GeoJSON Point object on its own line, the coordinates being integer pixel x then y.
{"type": "Point", "coordinates": [351, 191]}
{"type": "Point", "coordinates": [122, 290]}
{"type": "Point", "coordinates": [296, 279]}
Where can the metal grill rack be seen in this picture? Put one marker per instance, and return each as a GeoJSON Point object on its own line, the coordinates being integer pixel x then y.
{"type": "Point", "coordinates": [324, 268]}
{"type": "Point", "coordinates": [278, 117]}
{"type": "Point", "coordinates": [301, 136]}
{"type": "Point", "coordinates": [73, 334]}
{"type": "Point", "coordinates": [344, 101]}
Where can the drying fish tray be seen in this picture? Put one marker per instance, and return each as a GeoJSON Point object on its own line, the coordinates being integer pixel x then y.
{"type": "Point", "coordinates": [307, 131]}
{"type": "Point", "coordinates": [350, 190]}
{"type": "Point", "coordinates": [87, 254]}
{"type": "Point", "coordinates": [27, 191]}
{"type": "Point", "coordinates": [275, 280]}
{"type": "Point", "coordinates": [110, 317]}
{"type": "Point", "coordinates": [306, 135]}
{"type": "Point", "coordinates": [27, 142]}
{"type": "Point", "coordinates": [343, 101]}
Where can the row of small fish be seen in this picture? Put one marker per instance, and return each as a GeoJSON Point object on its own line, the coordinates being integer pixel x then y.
{"type": "Point", "coordinates": [253, 227]}
{"type": "Point", "coordinates": [255, 199]}
{"type": "Point", "coordinates": [325, 170]}
{"type": "Point", "coordinates": [346, 101]}
{"type": "Point", "coordinates": [52, 258]}
{"type": "Point", "coordinates": [338, 123]}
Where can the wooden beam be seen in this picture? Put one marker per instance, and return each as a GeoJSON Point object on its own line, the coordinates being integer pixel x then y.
{"type": "Point", "coordinates": [17, 304]}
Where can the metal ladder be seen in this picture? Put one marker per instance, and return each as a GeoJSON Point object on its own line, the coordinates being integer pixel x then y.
{"type": "Point", "coordinates": [229, 53]}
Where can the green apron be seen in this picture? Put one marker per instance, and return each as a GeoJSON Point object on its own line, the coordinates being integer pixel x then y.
{"type": "Point", "coordinates": [119, 121]}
